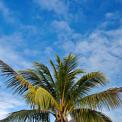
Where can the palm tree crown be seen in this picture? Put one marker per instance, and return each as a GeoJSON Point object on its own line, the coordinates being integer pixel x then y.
{"type": "Point", "coordinates": [66, 92]}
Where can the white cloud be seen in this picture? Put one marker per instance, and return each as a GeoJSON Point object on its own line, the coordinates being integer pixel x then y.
{"type": "Point", "coordinates": [57, 6]}
{"type": "Point", "coordinates": [7, 103]}
{"type": "Point", "coordinates": [8, 53]}
{"type": "Point", "coordinates": [13, 58]}
{"type": "Point", "coordinates": [100, 50]}
{"type": "Point", "coordinates": [61, 26]}
{"type": "Point", "coordinates": [64, 32]}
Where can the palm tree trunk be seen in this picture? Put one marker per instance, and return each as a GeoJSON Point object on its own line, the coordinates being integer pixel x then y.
{"type": "Point", "coordinates": [60, 118]}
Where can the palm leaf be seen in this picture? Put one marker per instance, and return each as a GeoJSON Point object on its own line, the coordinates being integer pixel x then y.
{"type": "Point", "coordinates": [31, 75]}
{"type": "Point", "coordinates": [71, 70]}
{"type": "Point", "coordinates": [54, 69]}
{"type": "Point", "coordinates": [36, 80]}
{"type": "Point", "coordinates": [14, 80]}
{"type": "Point", "coordinates": [43, 72]}
{"type": "Point", "coordinates": [88, 115]}
{"type": "Point", "coordinates": [27, 116]}
{"type": "Point", "coordinates": [65, 73]}
{"type": "Point", "coordinates": [40, 97]}
{"type": "Point", "coordinates": [87, 82]}
{"type": "Point", "coordinates": [109, 98]}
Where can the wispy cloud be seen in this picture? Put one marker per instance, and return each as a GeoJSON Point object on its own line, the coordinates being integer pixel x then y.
{"type": "Point", "coordinates": [97, 52]}
{"type": "Point", "coordinates": [9, 53]}
{"type": "Point", "coordinates": [65, 32]}
{"type": "Point", "coordinates": [56, 6]}
{"type": "Point", "coordinates": [7, 103]}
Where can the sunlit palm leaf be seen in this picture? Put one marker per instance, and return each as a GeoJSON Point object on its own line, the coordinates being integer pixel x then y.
{"type": "Point", "coordinates": [27, 116]}
{"type": "Point", "coordinates": [41, 98]}
{"type": "Point", "coordinates": [36, 80]}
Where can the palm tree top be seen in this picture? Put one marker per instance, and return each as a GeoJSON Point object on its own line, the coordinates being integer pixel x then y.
{"type": "Point", "coordinates": [62, 92]}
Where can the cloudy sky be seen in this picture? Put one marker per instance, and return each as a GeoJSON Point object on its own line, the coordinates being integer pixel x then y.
{"type": "Point", "coordinates": [36, 30]}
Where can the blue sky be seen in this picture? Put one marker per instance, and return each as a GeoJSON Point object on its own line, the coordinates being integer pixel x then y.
{"type": "Point", "coordinates": [36, 30]}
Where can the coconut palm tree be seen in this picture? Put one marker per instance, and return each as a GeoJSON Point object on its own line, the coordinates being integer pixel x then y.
{"type": "Point", "coordinates": [65, 93]}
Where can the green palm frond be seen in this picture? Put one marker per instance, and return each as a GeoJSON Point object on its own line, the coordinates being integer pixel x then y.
{"type": "Point", "coordinates": [31, 75]}
{"type": "Point", "coordinates": [27, 116]}
{"type": "Point", "coordinates": [55, 72]}
{"type": "Point", "coordinates": [41, 98]}
{"type": "Point", "coordinates": [87, 82]}
{"type": "Point", "coordinates": [14, 80]}
{"type": "Point", "coordinates": [70, 63]}
{"type": "Point", "coordinates": [71, 70]}
{"type": "Point", "coordinates": [110, 98]}
{"type": "Point", "coordinates": [88, 115]}
{"type": "Point", "coordinates": [45, 71]}
{"type": "Point", "coordinates": [66, 72]}
{"type": "Point", "coordinates": [36, 80]}
{"type": "Point", "coordinates": [6, 69]}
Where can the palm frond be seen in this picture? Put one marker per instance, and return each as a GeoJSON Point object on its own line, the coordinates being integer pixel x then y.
{"type": "Point", "coordinates": [70, 62]}
{"type": "Point", "coordinates": [27, 116]}
{"type": "Point", "coordinates": [88, 115]}
{"type": "Point", "coordinates": [14, 80]}
{"type": "Point", "coordinates": [41, 98]}
{"type": "Point", "coordinates": [70, 66]}
{"type": "Point", "coordinates": [110, 98]}
{"type": "Point", "coordinates": [71, 72]}
{"type": "Point", "coordinates": [31, 75]}
{"type": "Point", "coordinates": [65, 71]}
{"type": "Point", "coordinates": [43, 72]}
{"type": "Point", "coordinates": [54, 69]}
{"type": "Point", "coordinates": [59, 61]}
{"type": "Point", "coordinates": [87, 82]}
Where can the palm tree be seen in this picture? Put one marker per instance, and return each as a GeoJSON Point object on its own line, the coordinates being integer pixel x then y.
{"type": "Point", "coordinates": [65, 93]}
